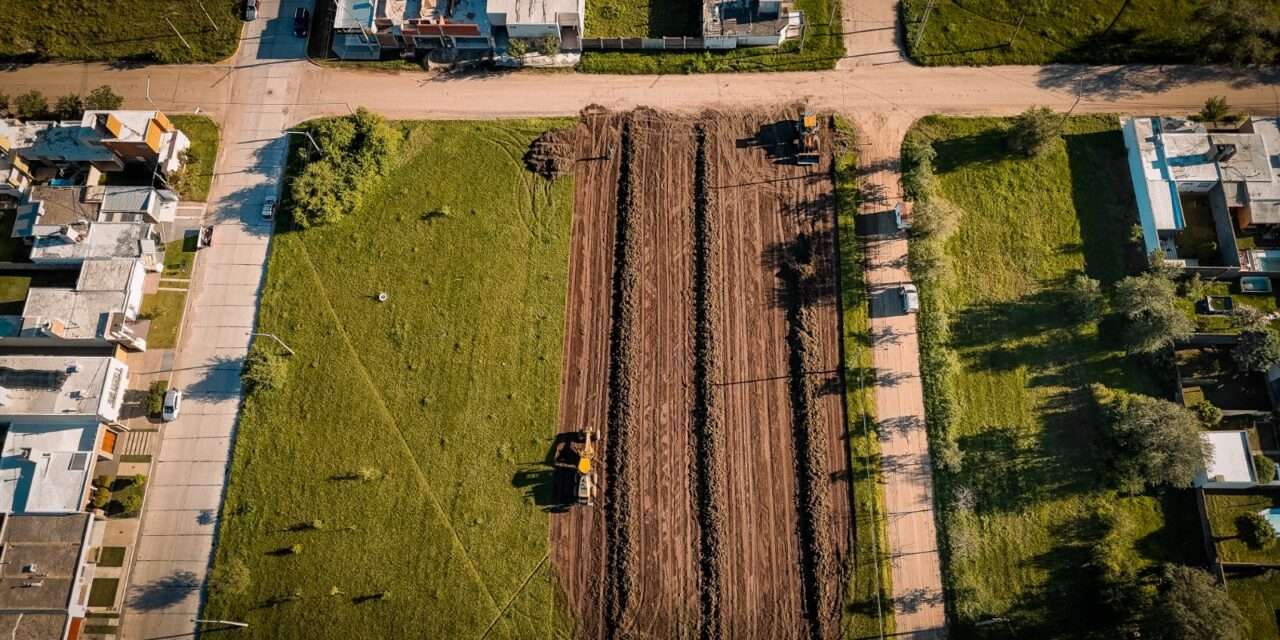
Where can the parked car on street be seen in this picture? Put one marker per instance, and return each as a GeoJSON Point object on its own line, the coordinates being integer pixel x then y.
{"type": "Point", "coordinates": [172, 405]}
{"type": "Point", "coordinates": [251, 10]}
{"type": "Point", "coordinates": [910, 299]}
{"type": "Point", "coordinates": [269, 208]}
{"type": "Point", "coordinates": [301, 22]}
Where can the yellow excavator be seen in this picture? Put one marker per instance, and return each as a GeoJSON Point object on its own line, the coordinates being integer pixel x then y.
{"type": "Point", "coordinates": [806, 141]}
{"type": "Point", "coordinates": [586, 468]}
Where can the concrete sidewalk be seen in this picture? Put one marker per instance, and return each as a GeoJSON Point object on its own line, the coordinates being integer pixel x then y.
{"type": "Point", "coordinates": [180, 517]}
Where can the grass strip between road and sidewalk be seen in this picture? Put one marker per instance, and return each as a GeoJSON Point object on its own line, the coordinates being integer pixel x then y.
{"type": "Point", "coordinates": [198, 173]}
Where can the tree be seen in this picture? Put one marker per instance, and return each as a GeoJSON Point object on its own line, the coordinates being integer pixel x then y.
{"type": "Point", "coordinates": [264, 369]}
{"type": "Point", "coordinates": [69, 107]}
{"type": "Point", "coordinates": [230, 577]}
{"type": "Point", "coordinates": [1257, 350]}
{"type": "Point", "coordinates": [1239, 32]}
{"type": "Point", "coordinates": [1147, 302]}
{"type": "Point", "coordinates": [103, 98]}
{"type": "Point", "coordinates": [1215, 109]}
{"type": "Point", "coordinates": [1266, 468]}
{"type": "Point", "coordinates": [1034, 131]}
{"type": "Point", "coordinates": [1153, 442]}
{"type": "Point", "coordinates": [1084, 299]}
{"type": "Point", "coordinates": [30, 105]}
{"type": "Point", "coordinates": [1255, 530]}
{"type": "Point", "coordinates": [1208, 415]}
{"type": "Point", "coordinates": [935, 217]}
{"type": "Point", "coordinates": [1189, 605]}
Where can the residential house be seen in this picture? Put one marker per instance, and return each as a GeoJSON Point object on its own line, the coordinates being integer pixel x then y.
{"type": "Point", "coordinates": [1208, 195]}
{"type": "Point", "coordinates": [15, 171]}
{"type": "Point", "coordinates": [727, 24]}
{"type": "Point", "coordinates": [46, 575]}
{"type": "Point", "coordinates": [61, 389]}
{"type": "Point", "coordinates": [97, 312]}
{"type": "Point", "coordinates": [73, 244]}
{"type": "Point", "coordinates": [373, 29]}
{"type": "Point", "coordinates": [109, 140]}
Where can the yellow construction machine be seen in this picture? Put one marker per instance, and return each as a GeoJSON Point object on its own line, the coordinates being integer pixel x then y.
{"type": "Point", "coordinates": [586, 468]}
{"type": "Point", "coordinates": [806, 142]}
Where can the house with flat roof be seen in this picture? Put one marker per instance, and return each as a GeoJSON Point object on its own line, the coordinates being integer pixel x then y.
{"type": "Point", "coordinates": [1208, 194]}
{"type": "Point", "coordinates": [51, 389]}
{"type": "Point", "coordinates": [15, 172]}
{"type": "Point", "coordinates": [455, 29]}
{"type": "Point", "coordinates": [45, 575]}
{"type": "Point", "coordinates": [104, 140]}
{"type": "Point", "coordinates": [727, 24]}
{"type": "Point", "coordinates": [48, 468]}
{"type": "Point", "coordinates": [1230, 463]}
{"type": "Point", "coordinates": [98, 311]}
{"type": "Point", "coordinates": [72, 244]}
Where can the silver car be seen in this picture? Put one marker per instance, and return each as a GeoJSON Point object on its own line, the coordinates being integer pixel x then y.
{"type": "Point", "coordinates": [910, 299]}
{"type": "Point", "coordinates": [172, 405]}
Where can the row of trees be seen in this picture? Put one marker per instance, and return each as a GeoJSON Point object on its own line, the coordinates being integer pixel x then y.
{"type": "Point", "coordinates": [34, 106]}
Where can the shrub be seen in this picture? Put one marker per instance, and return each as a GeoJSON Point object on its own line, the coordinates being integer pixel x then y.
{"type": "Point", "coordinates": [138, 480]}
{"type": "Point", "coordinates": [1085, 301]}
{"type": "Point", "coordinates": [69, 107]}
{"type": "Point", "coordinates": [103, 98]}
{"type": "Point", "coordinates": [155, 397]}
{"type": "Point", "coordinates": [1208, 415]}
{"type": "Point", "coordinates": [230, 577]}
{"type": "Point", "coordinates": [1257, 350]}
{"type": "Point", "coordinates": [1266, 468]}
{"type": "Point", "coordinates": [936, 218]}
{"type": "Point", "coordinates": [918, 179]}
{"type": "Point", "coordinates": [1215, 109]}
{"type": "Point", "coordinates": [1249, 319]}
{"type": "Point", "coordinates": [369, 473]}
{"type": "Point", "coordinates": [1034, 131]}
{"type": "Point", "coordinates": [101, 498]}
{"type": "Point", "coordinates": [1153, 442]}
{"type": "Point", "coordinates": [295, 549]}
{"type": "Point", "coordinates": [30, 105]}
{"type": "Point", "coordinates": [1255, 530]}
{"type": "Point", "coordinates": [131, 503]}
{"type": "Point", "coordinates": [517, 47]}
{"type": "Point", "coordinates": [264, 369]}
{"type": "Point", "coordinates": [355, 151]}
{"type": "Point", "coordinates": [548, 46]}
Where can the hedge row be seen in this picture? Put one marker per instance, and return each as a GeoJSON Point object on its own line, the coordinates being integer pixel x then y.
{"type": "Point", "coordinates": [619, 488]}
{"type": "Point", "coordinates": [708, 426]}
{"type": "Point", "coordinates": [817, 566]}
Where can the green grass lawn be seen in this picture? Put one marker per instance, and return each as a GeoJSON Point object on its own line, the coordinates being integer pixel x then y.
{"type": "Point", "coordinates": [103, 592]}
{"type": "Point", "coordinates": [1021, 507]}
{"type": "Point", "coordinates": [93, 30]}
{"type": "Point", "coordinates": [963, 32]}
{"type": "Point", "coordinates": [865, 614]}
{"type": "Point", "coordinates": [111, 557]}
{"type": "Point", "coordinates": [448, 391]}
{"type": "Point", "coordinates": [180, 257]}
{"type": "Point", "coordinates": [164, 309]}
{"type": "Point", "coordinates": [13, 294]}
{"type": "Point", "coordinates": [1220, 323]}
{"type": "Point", "coordinates": [1258, 598]}
{"type": "Point", "coordinates": [203, 133]}
{"type": "Point", "coordinates": [823, 46]}
{"type": "Point", "coordinates": [641, 18]}
{"type": "Point", "coordinates": [1223, 510]}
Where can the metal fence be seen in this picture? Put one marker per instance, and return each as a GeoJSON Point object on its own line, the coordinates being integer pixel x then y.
{"type": "Point", "coordinates": [658, 44]}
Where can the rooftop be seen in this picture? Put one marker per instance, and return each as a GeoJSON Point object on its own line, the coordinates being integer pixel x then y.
{"type": "Point", "coordinates": [46, 468]}
{"type": "Point", "coordinates": [43, 556]}
{"type": "Point", "coordinates": [60, 205]}
{"type": "Point", "coordinates": [101, 240]}
{"type": "Point", "coordinates": [61, 386]}
{"type": "Point", "coordinates": [69, 142]}
{"type": "Point", "coordinates": [532, 11]}
{"type": "Point", "coordinates": [103, 288]}
{"type": "Point", "coordinates": [1229, 458]}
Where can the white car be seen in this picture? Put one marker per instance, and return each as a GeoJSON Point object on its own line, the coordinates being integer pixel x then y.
{"type": "Point", "coordinates": [172, 405]}
{"type": "Point", "coordinates": [251, 10]}
{"type": "Point", "coordinates": [910, 299]}
{"type": "Point", "coordinates": [269, 208]}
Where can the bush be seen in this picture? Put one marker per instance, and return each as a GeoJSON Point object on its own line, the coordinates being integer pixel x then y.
{"type": "Point", "coordinates": [138, 480]}
{"type": "Point", "coordinates": [69, 107]}
{"type": "Point", "coordinates": [131, 503]}
{"type": "Point", "coordinates": [103, 98]}
{"type": "Point", "coordinates": [1208, 415]}
{"type": "Point", "coordinates": [295, 549]}
{"type": "Point", "coordinates": [155, 397]}
{"type": "Point", "coordinates": [1084, 299]}
{"type": "Point", "coordinates": [355, 151]}
{"type": "Point", "coordinates": [1266, 468]}
{"type": "Point", "coordinates": [264, 369]}
{"type": "Point", "coordinates": [548, 46]}
{"type": "Point", "coordinates": [1257, 350]}
{"type": "Point", "coordinates": [936, 218]}
{"type": "Point", "coordinates": [517, 47]}
{"type": "Point", "coordinates": [1034, 131]}
{"type": "Point", "coordinates": [101, 498]}
{"type": "Point", "coordinates": [918, 179]}
{"type": "Point", "coordinates": [30, 105]}
{"type": "Point", "coordinates": [230, 577]}
{"type": "Point", "coordinates": [1255, 530]}
{"type": "Point", "coordinates": [1153, 442]}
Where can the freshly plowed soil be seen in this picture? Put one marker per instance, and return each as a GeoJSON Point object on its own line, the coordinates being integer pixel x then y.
{"type": "Point", "coordinates": [762, 203]}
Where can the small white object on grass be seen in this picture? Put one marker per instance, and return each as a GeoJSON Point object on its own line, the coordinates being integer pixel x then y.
{"type": "Point", "coordinates": [382, 296]}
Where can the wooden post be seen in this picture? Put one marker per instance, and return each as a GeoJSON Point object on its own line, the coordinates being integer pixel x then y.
{"type": "Point", "coordinates": [175, 30]}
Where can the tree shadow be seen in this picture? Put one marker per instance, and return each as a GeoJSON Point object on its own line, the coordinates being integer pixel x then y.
{"type": "Point", "coordinates": [165, 592]}
{"type": "Point", "coordinates": [1118, 82]}
{"type": "Point", "coordinates": [221, 380]}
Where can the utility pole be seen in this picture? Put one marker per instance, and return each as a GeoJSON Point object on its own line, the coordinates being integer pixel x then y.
{"type": "Point", "coordinates": [175, 30]}
{"type": "Point", "coordinates": [924, 22]}
{"type": "Point", "coordinates": [206, 14]}
{"type": "Point", "coordinates": [232, 623]}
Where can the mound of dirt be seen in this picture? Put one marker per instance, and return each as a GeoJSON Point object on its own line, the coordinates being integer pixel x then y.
{"type": "Point", "coordinates": [551, 154]}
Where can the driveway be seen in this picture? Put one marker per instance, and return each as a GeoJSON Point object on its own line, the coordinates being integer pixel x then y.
{"type": "Point", "coordinates": [180, 519]}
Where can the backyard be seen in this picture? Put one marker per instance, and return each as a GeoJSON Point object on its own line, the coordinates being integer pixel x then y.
{"type": "Point", "coordinates": [641, 18]}
{"type": "Point", "coordinates": [1225, 511]}
{"type": "Point", "coordinates": [382, 490]}
{"type": "Point", "coordinates": [58, 30]}
{"type": "Point", "coordinates": [821, 47]}
{"type": "Point", "coordinates": [962, 32]}
{"type": "Point", "coordinates": [1022, 501]}
{"type": "Point", "coordinates": [1258, 597]}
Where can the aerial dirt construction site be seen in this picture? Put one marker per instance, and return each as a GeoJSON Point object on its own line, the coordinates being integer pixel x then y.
{"type": "Point", "coordinates": [705, 485]}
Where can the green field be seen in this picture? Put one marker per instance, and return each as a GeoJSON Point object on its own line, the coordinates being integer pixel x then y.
{"type": "Point", "coordinates": [132, 31]}
{"type": "Point", "coordinates": [822, 47]}
{"type": "Point", "coordinates": [1223, 510]}
{"type": "Point", "coordinates": [198, 175]}
{"type": "Point", "coordinates": [641, 18]}
{"type": "Point", "coordinates": [1024, 504]}
{"type": "Point", "coordinates": [416, 429]}
{"type": "Point", "coordinates": [962, 32]}
{"type": "Point", "coordinates": [1258, 598]}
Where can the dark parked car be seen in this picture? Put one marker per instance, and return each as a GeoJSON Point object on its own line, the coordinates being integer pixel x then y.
{"type": "Point", "coordinates": [301, 22]}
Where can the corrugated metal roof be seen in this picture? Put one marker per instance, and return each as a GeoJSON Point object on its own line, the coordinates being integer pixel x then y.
{"type": "Point", "coordinates": [117, 198]}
